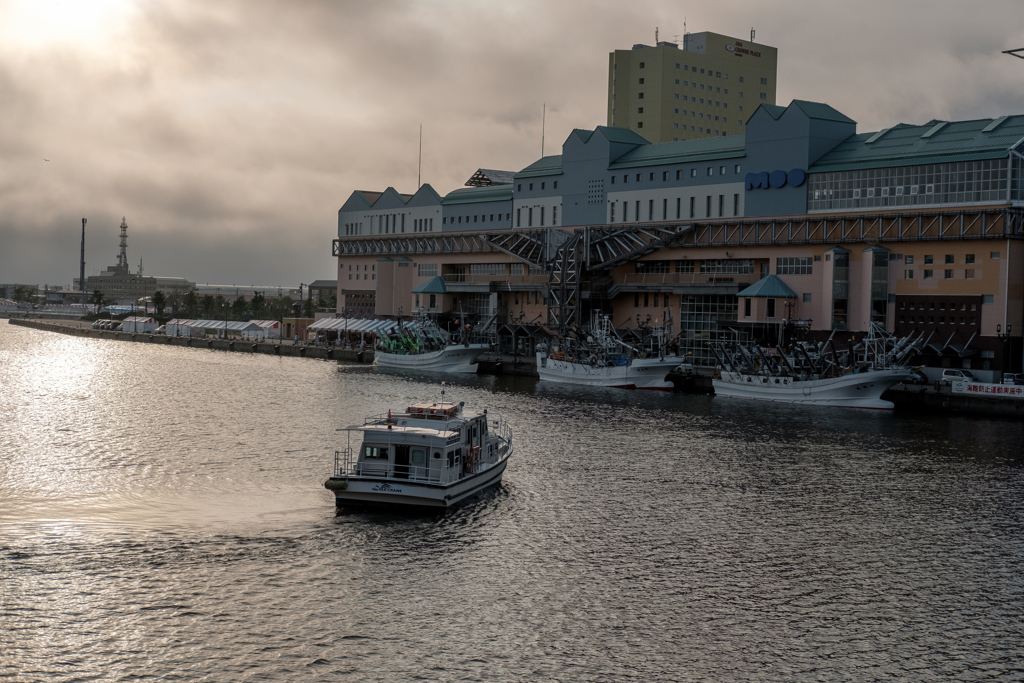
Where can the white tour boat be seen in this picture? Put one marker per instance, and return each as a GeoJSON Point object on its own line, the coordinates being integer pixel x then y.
{"type": "Point", "coordinates": [426, 347]}
{"type": "Point", "coordinates": [602, 359]}
{"type": "Point", "coordinates": [433, 455]}
{"type": "Point", "coordinates": [815, 375]}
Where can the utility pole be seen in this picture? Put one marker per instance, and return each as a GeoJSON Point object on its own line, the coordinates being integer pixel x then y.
{"type": "Point", "coordinates": [81, 269]}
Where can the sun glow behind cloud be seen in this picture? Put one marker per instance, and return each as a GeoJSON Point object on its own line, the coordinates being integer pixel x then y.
{"type": "Point", "coordinates": [40, 24]}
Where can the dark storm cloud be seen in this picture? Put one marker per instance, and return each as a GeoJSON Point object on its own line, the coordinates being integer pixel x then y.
{"type": "Point", "coordinates": [229, 133]}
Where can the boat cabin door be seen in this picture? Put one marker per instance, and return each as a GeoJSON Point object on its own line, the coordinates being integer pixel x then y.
{"type": "Point", "coordinates": [401, 462]}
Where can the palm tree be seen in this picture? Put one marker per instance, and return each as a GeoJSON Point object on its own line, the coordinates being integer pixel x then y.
{"type": "Point", "coordinates": [159, 302]}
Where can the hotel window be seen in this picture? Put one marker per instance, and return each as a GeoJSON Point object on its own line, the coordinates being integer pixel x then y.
{"type": "Point", "coordinates": [516, 268]}
{"type": "Point", "coordinates": [641, 81]}
{"type": "Point", "coordinates": [736, 204]}
{"type": "Point", "coordinates": [969, 258]}
{"type": "Point", "coordinates": [693, 172]}
{"type": "Point", "coordinates": [969, 274]}
{"type": "Point", "coordinates": [807, 297]}
{"type": "Point", "coordinates": [928, 259]}
{"type": "Point", "coordinates": [427, 269]}
{"type": "Point", "coordinates": [693, 207]}
{"type": "Point", "coordinates": [948, 274]}
{"type": "Point", "coordinates": [711, 171]}
{"type": "Point", "coordinates": [993, 255]}
{"type": "Point", "coordinates": [949, 259]}
{"type": "Point", "coordinates": [910, 260]}
{"type": "Point", "coordinates": [746, 307]}
{"type": "Point", "coordinates": [929, 274]}
{"type": "Point", "coordinates": [679, 207]}
{"type": "Point", "coordinates": [679, 174]}
{"type": "Point", "coordinates": [554, 215]}
{"type": "Point", "coordinates": [909, 274]}
{"type": "Point", "coordinates": [769, 308]}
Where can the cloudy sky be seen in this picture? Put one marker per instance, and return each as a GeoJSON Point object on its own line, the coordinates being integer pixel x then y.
{"type": "Point", "coordinates": [230, 132]}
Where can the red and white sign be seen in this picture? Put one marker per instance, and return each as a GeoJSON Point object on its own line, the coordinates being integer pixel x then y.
{"type": "Point", "coordinates": [992, 390]}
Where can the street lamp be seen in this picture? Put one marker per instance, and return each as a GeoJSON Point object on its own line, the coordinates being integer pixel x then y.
{"type": "Point", "coordinates": [1004, 338]}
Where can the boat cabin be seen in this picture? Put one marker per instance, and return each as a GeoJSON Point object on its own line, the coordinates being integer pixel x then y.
{"type": "Point", "coordinates": [430, 442]}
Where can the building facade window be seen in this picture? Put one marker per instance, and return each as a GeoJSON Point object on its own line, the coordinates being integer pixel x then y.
{"type": "Point", "coordinates": [799, 265]}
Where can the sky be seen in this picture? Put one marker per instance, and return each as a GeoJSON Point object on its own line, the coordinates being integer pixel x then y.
{"type": "Point", "coordinates": [229, 133]}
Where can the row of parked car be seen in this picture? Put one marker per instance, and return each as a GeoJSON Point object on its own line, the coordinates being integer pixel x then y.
{"type": "Point", "coordinates": [950, 376]}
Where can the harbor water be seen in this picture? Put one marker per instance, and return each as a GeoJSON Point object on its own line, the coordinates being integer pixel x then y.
{"type": "Point", "coordinates": [163, 516]}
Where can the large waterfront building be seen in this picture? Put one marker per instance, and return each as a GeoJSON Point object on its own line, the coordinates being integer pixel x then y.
{"type": "Point", "coordinates": [707, 88]}
{"type": "Point", "coordinates": [800, 223]}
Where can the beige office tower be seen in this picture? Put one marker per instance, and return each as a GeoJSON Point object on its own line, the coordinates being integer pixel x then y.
{"type": "Point", "coordinates": [707, 87]}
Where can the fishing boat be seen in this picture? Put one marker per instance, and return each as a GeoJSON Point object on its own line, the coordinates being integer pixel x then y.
{"type": "Point", "coordinates": [429, 456]}
{"type": "Point", "coordinates": [602, 359]}
{"type": "Point", "coordinates": [818, 374]}
{"type": "Point", "coordinates": [425, 346]}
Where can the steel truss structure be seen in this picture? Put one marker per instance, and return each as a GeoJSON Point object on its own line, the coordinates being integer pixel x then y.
{"type": "Point", "coordinates": [603, 247]}
{"type": "Point", "coordinates": [593, 249]}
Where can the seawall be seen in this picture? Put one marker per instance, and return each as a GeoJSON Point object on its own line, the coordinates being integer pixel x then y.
{"type": "Point", "coordinates": [271, 348]}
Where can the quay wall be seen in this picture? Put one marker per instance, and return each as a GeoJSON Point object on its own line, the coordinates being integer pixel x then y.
{"type": "Point", "coordinates": [272, 347]}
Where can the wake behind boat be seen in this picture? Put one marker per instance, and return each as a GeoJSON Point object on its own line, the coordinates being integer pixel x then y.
{"type": "Point", "coordinates": [818, 374]}
{"type": "Point", "coordinates": [433, 455]}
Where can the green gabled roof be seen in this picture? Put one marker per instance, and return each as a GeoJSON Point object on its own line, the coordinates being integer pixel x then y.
{"type": "Point", "coordinates": [909, 145]}
{"type": "Point", "coordinates": [623, 135]}
{"type": "Point", "coordinates": [471, 195]}
{"type": "Point", "coordinates": [774, 110]}
{"type": "Point", "coordinates": [683, 151]}
{"type": "Point", "coordinates": [435, 285]}
{"type": "Point", "coordinates": [583, 134]}
{"type": "Point", "coordinates": [771, 287]}
{"type": "Point", "coordinates": [821, 111]}
{"type": "Point", "coordinates": [551, 165]}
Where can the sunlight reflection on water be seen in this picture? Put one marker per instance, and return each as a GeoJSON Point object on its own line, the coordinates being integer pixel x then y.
{"type": "Point", "coordinates": [162, 512]}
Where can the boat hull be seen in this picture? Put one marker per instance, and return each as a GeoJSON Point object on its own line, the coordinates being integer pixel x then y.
{"type": "Point", "coordinates": [641, 373]}
{"type": "Point", "coordinates": [454, 358]}
{"type": "Point", "coordinates": [380, 492]}
{"type": "Point", "coordinates": [855, 390]}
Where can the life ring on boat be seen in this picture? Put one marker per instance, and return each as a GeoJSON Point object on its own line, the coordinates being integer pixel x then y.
{"type": "Point", "coordinates": [593, 359]}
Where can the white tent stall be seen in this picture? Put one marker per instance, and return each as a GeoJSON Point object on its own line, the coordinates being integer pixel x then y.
{"type": "Point", "coordinates": [138, 323]}
{"type": "Point", "coordinates": [267, 329]}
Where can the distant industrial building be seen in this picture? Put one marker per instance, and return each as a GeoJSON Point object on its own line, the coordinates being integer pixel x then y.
{"type": "Point", "coordinates": [121, 286]}
{"type": "Point", "coordinates": [709, 88]}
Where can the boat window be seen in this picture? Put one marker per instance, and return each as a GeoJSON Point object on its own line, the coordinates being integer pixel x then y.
{"type": "Point", "coordinates": [375, 453]}
{"type": "Point", "coordinates": [419, 456]}
{"type": "Point", "coordinates": [437, 454]}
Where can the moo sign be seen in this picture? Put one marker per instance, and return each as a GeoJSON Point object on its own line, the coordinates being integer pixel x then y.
{"type": "Point", "coordinates": [775, 179]}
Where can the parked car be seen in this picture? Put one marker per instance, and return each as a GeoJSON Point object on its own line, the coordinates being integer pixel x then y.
{"type": "Point", "coordinates": [97, 324]}
{"type": "Point", "coordinates": [160, 330]}
{"type": "Point", "coordinates": [1010, 378]}
{"type": "Point", "coordinates": [950, 376]}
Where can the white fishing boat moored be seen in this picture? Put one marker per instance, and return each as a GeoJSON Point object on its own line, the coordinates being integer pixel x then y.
{"type": "Point", "coordinates": [602, 359]}
{"type": "Point", "coordinates": [431, 456]}
{"type": "Point", "coordinates": [425, 346]}
{"type": "Point", "coordinates": [818, 374]}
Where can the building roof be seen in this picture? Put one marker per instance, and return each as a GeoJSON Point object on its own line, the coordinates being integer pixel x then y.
{"type": "Point", "coordinates": [472, 195]}
{"type": "Point", "coordinates": [583, 133]}
{"type": "Point", "coordinates": [932, 143]}
{"type": "Point", "coordinates": [622, 135]}
{"type": "Point", "coordinates": [771, 286]}
{"type": "Point", "coordinates": [486, 177]}
{"type": "Point", "coordinates": [774, 110]}
{"type": "Point", "coordinates": [321, 284]}
{"type": "Point", "coordinates": [683, 151]}
{"type": "Point", "coordinates": [435, 285]}
{"type": "Point", "coordinates": [821, 111]}
{"type": "Point", "coordinates": [550, 165]}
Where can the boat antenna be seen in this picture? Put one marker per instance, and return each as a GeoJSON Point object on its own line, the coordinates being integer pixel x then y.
{"type": "Point", "coordinates": [442, 392]}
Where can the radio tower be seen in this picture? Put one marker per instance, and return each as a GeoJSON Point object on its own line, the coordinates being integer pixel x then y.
{"type": "Point", "coordinates": [122, 258]}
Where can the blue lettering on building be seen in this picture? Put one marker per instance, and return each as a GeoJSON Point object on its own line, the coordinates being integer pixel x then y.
{"type": "Point", "coordinates": [775, 179]}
